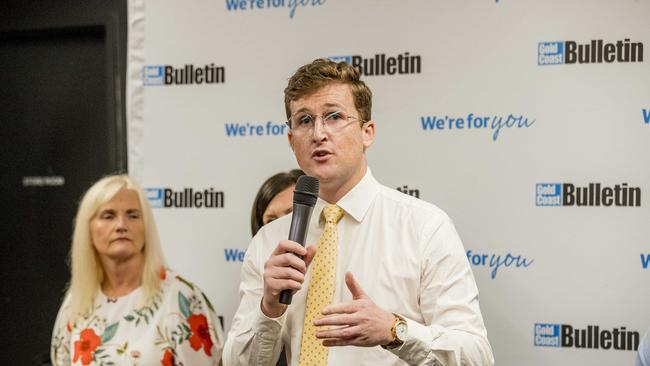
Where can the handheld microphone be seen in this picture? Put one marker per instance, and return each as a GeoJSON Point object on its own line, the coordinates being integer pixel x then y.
{"type": "Point", "coordinates": [304, 199]}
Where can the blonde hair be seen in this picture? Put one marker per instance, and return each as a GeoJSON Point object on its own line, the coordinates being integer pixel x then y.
{"type": "Point", "coordinates": [87, 271]}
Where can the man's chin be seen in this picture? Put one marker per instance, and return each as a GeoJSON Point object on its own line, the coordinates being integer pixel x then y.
{"type": "Point", "coordinates": [322, 176]}
{"type": "Point", "coordinates": [321, 171]}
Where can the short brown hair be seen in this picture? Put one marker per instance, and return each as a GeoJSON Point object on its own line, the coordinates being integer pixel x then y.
{"type": "Point", "coordinates": [322, 72]}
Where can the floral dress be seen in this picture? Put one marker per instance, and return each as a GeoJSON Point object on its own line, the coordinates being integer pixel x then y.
{"type": "Point", "coordinates": [177, 327]}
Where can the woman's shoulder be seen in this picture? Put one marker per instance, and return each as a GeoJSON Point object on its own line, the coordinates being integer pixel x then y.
{"type": "Point", "coordinates": [178, 288]}
{"type": "Point", "coordinates": [174, 281]}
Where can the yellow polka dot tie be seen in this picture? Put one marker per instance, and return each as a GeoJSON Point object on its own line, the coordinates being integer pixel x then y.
{"type": "Point", "coordinates": [321, 289]}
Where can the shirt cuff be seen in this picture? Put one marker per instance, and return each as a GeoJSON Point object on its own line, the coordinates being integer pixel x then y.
{"type": "Point", "coordinates": [416, 350]}
{"type": "Point", "coordinates": [268, 328]}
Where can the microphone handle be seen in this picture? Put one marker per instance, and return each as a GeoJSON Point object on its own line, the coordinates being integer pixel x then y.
{"type": "Point", "coordinates": [297, 232]}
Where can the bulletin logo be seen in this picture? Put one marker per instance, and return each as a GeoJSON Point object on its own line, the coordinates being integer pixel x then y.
{"type": "Point", "coordinates": [550, 53]}
{"type": "Point", "coordinates": [589, 337]}
{"type": "Point", "coordinates": [185, 198]}
{"type": "Point", "coordinates": [155, 197]}
{"type": "Point", "coordinates": [547, 335]}
{"type": "Point", "coordinates": [596, 51]}
{"type": "Point", "coordinates": [548, 194]}
{"type": "Point", "coordinates": [593, 195]}
{"type": "Point", "coordinates": [646, 116]}
{"type": "Point", "coordinates": [153, 75]}
{"type": "Point", "coordinates": [381, 64]}
{"type": "Point", "coordinates": [164, 75]}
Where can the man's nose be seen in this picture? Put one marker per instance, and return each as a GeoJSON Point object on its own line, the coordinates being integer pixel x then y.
{"type": "Point", "coordinates": [319, 133]}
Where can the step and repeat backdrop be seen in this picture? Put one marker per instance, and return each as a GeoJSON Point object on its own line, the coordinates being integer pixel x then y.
{"type": "Point", "coordinates": [528, 122]}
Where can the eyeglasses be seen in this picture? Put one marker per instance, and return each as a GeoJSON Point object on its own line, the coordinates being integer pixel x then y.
{"type": "Point", "coordinates": [303, 123]}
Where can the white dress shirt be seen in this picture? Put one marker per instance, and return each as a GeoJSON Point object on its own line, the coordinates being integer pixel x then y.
{"type": "Point", "coordinates": [407, 257]}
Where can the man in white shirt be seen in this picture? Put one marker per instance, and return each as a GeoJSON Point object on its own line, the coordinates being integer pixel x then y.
{"type": "Point", "coordinates": [403, 294]}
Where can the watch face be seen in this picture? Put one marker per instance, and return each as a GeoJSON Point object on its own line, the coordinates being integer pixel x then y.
{"type": "Point", "coordinates": [401, 331]}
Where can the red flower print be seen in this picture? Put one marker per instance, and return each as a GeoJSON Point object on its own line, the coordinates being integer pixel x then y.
{"type": "Point", "coordinates": [168, 358]}
{"type": "Point", "coordinates": [85, 346]}
{"type": "Point", "coordinates": [69, 327]}
{"type": "Point", "coordinates": [162, 273]}
{"type": "Point", "coordinates": [201, 333]}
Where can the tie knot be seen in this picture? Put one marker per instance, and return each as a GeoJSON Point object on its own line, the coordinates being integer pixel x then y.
{"type": "Point", "coordinates": [332, 214]}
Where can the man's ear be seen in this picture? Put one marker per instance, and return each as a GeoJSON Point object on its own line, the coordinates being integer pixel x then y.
{"type": "Point", "coordinates": [290, 138]}
{"type": "Point", "coordinates": [368, 134]}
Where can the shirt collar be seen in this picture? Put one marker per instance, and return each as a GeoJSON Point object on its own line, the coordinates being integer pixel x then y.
{"type": "Point", "coordinates": [358, 200]}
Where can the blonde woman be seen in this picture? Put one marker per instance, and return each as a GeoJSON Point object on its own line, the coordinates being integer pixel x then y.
{"type": "Point", "coordinates": [123, 306]}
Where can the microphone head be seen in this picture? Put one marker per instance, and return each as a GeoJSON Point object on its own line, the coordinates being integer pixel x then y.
{"type": "Point", "coordinates": [306, 191]}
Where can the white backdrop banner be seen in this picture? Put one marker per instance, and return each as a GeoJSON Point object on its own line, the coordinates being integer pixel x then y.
{"type": "Point", "coordinates": [528, 122]}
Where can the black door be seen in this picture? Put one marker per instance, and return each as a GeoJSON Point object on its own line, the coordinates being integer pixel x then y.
{"type": "Point", "coordinates": [61, 129]}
